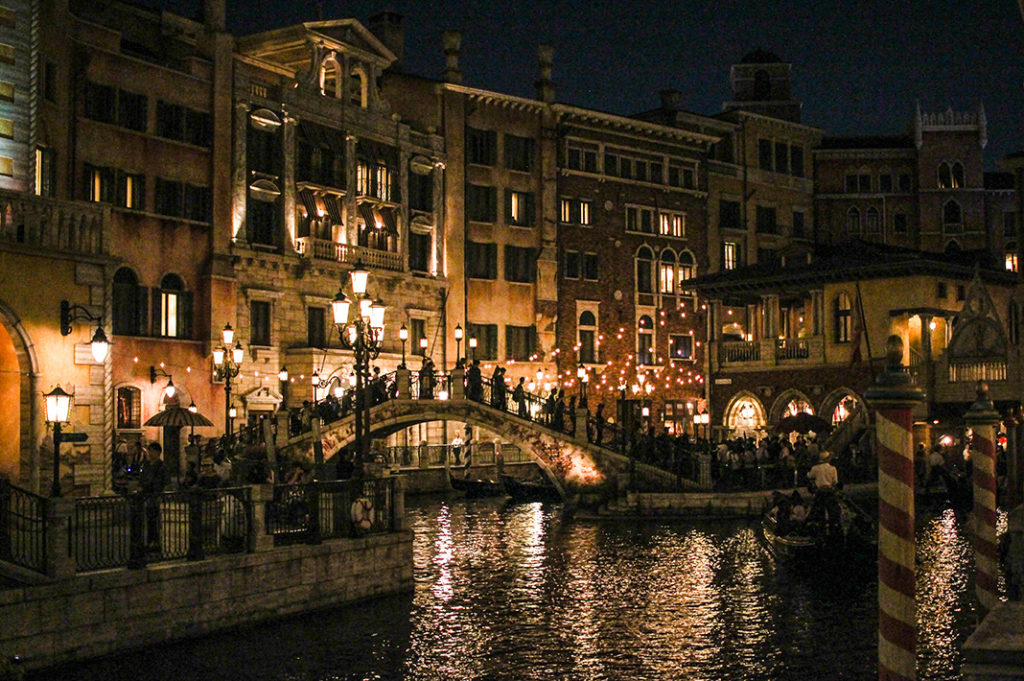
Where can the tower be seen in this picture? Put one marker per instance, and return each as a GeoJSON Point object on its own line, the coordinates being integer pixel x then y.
{"type": "Point", "coordinates": [761, 85]}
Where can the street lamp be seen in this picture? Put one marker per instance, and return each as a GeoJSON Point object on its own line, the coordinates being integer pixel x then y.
{"type": "Point", "coordinates": [226, 366]}
{"type": "Point", "coordinates": [364, 336]}
{"type": "Point", "coordinates": [584, 378]}
{"type": "Point", "coordinates": [315, 382]}
{"type": "Point", "coordinates": [458, 344]}
{"type": "Point", "coordinates": [403, 335]}
{"type": "Point", "coordinates": [69, 313]}
{"type": "Point", "coordinates": [58, 410]}
{"type": "Point", "coordinates": [155, 373]}
{"type": "Point", "coordinates": [423, 346]}
{"type": "Point", "coordinates": [472, 348]}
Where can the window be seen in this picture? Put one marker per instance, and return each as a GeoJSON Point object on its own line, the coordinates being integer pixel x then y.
{"type": "Point", "coordinates": [169, 197]}
{"type": "Point", "coordinates": [667, 272]}
{"type": "Point", "coordinates": [587, 332]}
{"type": "Point", "coordinates": [363, 183]}
{"type": "Point", "coordinates": [864, 183]}
{"type": "Point", "coordinates": [729, 216]}
{"type": "Point", "coordinates": [520, 264]}
{"type": "Point", "coordinates": [259, 322]}
{"type": "Point", "coordinates": [173, 307]}
{"type": "Point", "coordinates": [183, 124]}
{"type": "Point", "coordinates": [100, 102]}
{"type": "Point", "coordinates": [1009, 223]}
{"type": "Point", "coordinates": [46, 172]}
{"type": "Point", "coordinates": [519, 153]}
{"type": "Point", "coordinates": [951, 175]}
{"type": "Point", "coordinates": [590, 266]}
{"type": "Point", "coordinates": [131, 191]}
{"type": "Point", "coordinates": [129, 408]}
{"type": "Point", "coordinates": [904, 182]}
{"type": "Point", "coordinates": [796, 161]}
{"type": "Point", "coordinates": [899, 223]}
{"type": "Point", "coordinates": [481, 146]}
{"type": "Point", "coordinates": [486, 340]}
{"type": "Point", "coordinates": [958, 175]}
{"type": "Point", "coordinates": [263, 219]}
{"type": "Point", "coordinates": [263, 148]}
{"type": "Point", "coordinates": [574, 211]}
{"type": "Point", "coordinates": [1010, 256]}
{"type": "Point", "coordinates": [853, 221]}
{"type": "Point", "coordinates": [730, 255]}
{"type": "Point", "coordinates": [571, 265]}
{"type": "Point", "coordinates": [644, 267]}
{"type": "Point", "coordinates": [952, 218]}
{"type": "Point", "coordinates": [420, 246]}
{"type": "Point", "coordinates": [580, 156]}
{"type": "Point", "coordinates": [767, 221]}
{"type": "Point", "coordinates": [961, 292]}
{"type": "Point", "coordinates": [316, 327]}
{"type": "Point", "coordinates": [520, 342]}
{"type": "Point", "coordinates": [481, 203]}
{"type": "Point", "coordinates": [565, 211]}
{"type": "Point", "coordinates": [873, 225]}
{"type": "Point", "coordinates": [100, 184]}
{"type": "Point", "coordinates": [680, 346]}
{"type": "Point", "coordinates": [687, 269]}
{"type": "Point", "coordinates": [417, 331]}
{"type": "Point", "coordinates": [130, 307]}
{"type": "Point", "coordinates": [679, 176]}
{"type": "Point", "coordinates": [481, 260]}
{"type": "Point", "coordinates": [885, 182]}
{"type": "Point", "coordinates": [383, 182]}
{"type": "Point", "coordinates": [673, 224]}
{"type": "Point", "coordinates": [421, 192]}
{"type": "Point", "coordinates": [198, 203]}
{"type": "Point", "coordinates": [781, 157]}
{"type": "Point", "coordinates": [943, 290]}
{"type": "Point", "coordinates": [131, 110]}
{"type": "Point", "coordinates": [519, 208]}
{"type": "Point", "coordinates": [49, 87]}
{"type": "Point", "coordinates": [585, 213]}
{"type": "Point", "coordinates": [843, 312]}
{"type": "Point", "coordinates": [799, 223]}
{"type": "Point", "coordinates": [764, 154]}
{"type": "Point", "coordinates": [851, 183]}
{"type": "Point", "coordinates": [639, 219]}
{"type": "Point", "coordinates": [645, 341]}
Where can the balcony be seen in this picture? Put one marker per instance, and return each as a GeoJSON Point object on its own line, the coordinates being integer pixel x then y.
{"type": "Point", "coordinates": [64, 226]}
{"type": "Point", "coordinates": [320, 249]}
{"type": "Point", "coordinates": [771, 352]}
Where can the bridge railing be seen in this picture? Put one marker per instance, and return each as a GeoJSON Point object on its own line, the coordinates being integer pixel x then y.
{"type": "Point", "coordinates": [433, 456]}
{"type": "Point", "coordinates": [429, 386]}
{"type": "Point", "coordinates": [22, 527]}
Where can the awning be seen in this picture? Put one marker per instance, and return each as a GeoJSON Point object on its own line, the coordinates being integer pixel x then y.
{"type": "Point", "coordinates": [333, 205]}
{"type": "Point", "coordinates": [389, 217]}
{"type": "Point", "coordinates": [308, 199]}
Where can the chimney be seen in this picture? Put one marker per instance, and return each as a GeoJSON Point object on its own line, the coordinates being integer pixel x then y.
{"type": "Point", "coordinates": [545, 88]}
{"type": "Point", "coordinates": [452, 43]}
{"type": "Point", "coordinates": [214, 13]}
{"type": "Point", "coordinates": [671, 99]}
{"type": "Point", "coordinates": [387, 26]}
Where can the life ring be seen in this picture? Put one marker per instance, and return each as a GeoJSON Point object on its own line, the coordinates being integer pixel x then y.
{"type": "Point", "coordinates": [362, 514]}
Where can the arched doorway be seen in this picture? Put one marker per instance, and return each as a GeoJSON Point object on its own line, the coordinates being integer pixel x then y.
{"type": "Point", "coordinates": [10, 407]}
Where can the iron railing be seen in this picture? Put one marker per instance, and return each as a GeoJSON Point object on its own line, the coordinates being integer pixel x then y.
{"type": "Point", "coordinates": [100, 533]}
{"type": "Point", "coordinates": [423, 388]}
{"type": "Point", "coordinates": [314, 511]}
{"type": "Point", "coordinates": [22, 527]}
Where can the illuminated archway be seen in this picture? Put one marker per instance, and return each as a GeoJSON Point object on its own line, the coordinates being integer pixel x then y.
{"type": "Point", "coordinates": [790, 403]}
{"type": "Point", "coordinates": [745, 416]}
{"type": "Point", "coordinates": [21, 420]}
{"type": "Point", "coordinates": [840, 404]}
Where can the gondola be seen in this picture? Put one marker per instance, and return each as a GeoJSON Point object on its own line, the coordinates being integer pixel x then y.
{"type": "Point", "coordinates": [476, 489]}
{"type": "Point", "coordinates": [812, 544]}
{"type": "Point", "coordinates": [530, 490]}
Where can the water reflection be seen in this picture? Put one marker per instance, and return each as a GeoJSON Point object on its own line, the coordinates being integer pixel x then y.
{"type": "Point", "coordinates": [518, 592]}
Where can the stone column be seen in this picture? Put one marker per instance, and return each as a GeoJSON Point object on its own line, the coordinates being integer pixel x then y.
{"type": "Point", "coordinates": [893, 398]}
{"type": "Point", "coordinates": [403, 383]}
{"type": "Point", "coordinates": [288, 185]}
{"type": "Point", "coordinates": [261, 541]}
{"type": "Point", "coordinates": [982, 419]}
{"type": "Point", "coordinates": [818, 313]}
{"type": "Point", "coordinates": [398, 505]}
{"type": "Point", "coordinates": [59, 564]}
{"type": "Point", "coordinates": [581, 424]}
{"type": "Point", "coordinates": [458, 392]}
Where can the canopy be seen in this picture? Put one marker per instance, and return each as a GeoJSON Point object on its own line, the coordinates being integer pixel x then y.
{"type": "Point", "coordinates": [174, 415]}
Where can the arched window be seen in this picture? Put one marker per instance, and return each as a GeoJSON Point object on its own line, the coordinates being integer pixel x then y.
{"type": "Point", "coordinates": [587, 330]}
{"type": "Point", "coordinates": [330, 78]}
{"type": "Point", "coordinates": [174, 308]}
{"type": "Point", "coordinates": [853, 221]}
{"type": "Point", "coordinates": [952, 217]}
{"type": "Point", "coordinates": [762, 85]}
{"type": "Point", "coordinates": [843, 315]}
{"type": "Point", "coordinates": [945, 176]}
{"type": "Point", "coordinates": [358, 87]}
{"type": "Point", "coordinates": [645, 341]}
{"type": "Point", "coordinates": [687, 269]}
{"type": "Point", "coordinates": [958, 175]}
{"type": "Point", "coordinates": [129, 407]}
{"type": "Point", "coordinates": [1010, 256]}
{"type": "Point", "coordinates": [644, 267]}
{"type": "Point", "coordinates": [667, 272]}
{"type": "Point", "coordinates": [873, 226]}
{"type": "Point", "coordinates": [130, 304]}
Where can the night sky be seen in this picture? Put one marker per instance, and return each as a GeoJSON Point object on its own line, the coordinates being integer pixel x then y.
{"type": "Point", "coordinates": [858, 65]}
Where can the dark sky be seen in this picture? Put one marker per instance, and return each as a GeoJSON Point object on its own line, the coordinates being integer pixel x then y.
{"type": "Point", "coordinates": [858, 65]}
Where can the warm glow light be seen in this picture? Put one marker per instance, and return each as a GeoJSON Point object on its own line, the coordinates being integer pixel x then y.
{"type": "Point", "coordinates": [282, 375]}
{"type": "Point", "coordinates": [193, 408]}
{"type": "Point", "coordinates": [377, 309]}
{"type": "Point", "coordinates": [238, 354]}
{"type": "Point", "coordinates": [403, 333]}
{"type": "Point", "coordinates": [365, 303]}
{"type": "Point", "coordinates": [58, 405]}
{"type": "Point", "coordinates": [339, 307]}
{"type": "Point", "coordinates": [233, 412]}
{"type": "Point", "coordinates": [218, 356]}
{"type": "Point", "coordinates": [227, 334]}
{"type": "Point", "coordinates": [458, 332]}
{"type": "Point", "coordinates": [169, 390]}
{"type": "Point", "coordinates": [359, 276]}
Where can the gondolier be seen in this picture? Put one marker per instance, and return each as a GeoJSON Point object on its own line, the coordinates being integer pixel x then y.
{"type": "Point", "coordinates": [824, 480]}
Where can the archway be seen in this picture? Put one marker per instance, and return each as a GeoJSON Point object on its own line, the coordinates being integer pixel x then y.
{"type": "Point", "coordinates": [745, 416]}
{"type": "Point", "coordinates": [10, 404]}
{"type": "Point", "coordinates": [20, 421]}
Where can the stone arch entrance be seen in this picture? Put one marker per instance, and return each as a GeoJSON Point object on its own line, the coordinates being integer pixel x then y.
{"type": "Point", "coordinates": [19, 412]}
{"type": "Point", "coordinates": [745, 416]}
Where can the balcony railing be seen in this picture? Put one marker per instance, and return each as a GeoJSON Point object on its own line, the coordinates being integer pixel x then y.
{"type": "Point", "coordinates": [320, 249]}
{"type": "Point", "coordinates": [67, 226]}
{"type": "Point", "coordinates": [987, 370]}
{"type": "Point", "coordinates": [792, 348]}
{"type": "Point", "coordinates": [741, 351]}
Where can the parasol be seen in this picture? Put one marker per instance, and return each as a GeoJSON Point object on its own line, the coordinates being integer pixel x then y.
{"type": "Point", "coordinates": [173, 415]}
{"type": "Point", "coordinates": [803, 423]}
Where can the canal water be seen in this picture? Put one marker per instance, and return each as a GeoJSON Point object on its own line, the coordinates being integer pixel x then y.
{"type": "Point", "coordinates": [514, 591]}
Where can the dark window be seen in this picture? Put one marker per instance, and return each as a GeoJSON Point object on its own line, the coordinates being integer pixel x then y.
{"type": "Point", "coordinates": [851, 184]}
{"type": "Point", "coordinates": [762, 85]}
{"type": "Point", "coordinates": [519, 153]}
{"type": "Point", "coordinates": [50, 82]}
{"type": "Point", "coordinates": [767, 221]}
{"type": "Point", "coordinates": [520, 342]}
{"type": "Point", "coordinates": [263, 219]}
{"type": "Point", "coordinates": [198, 203]}
{"type": "Point", "coordinates": [481, 260]}
{"type": "Point", "coordinates": [198, 128]}
{"type": "Point", "coordinates": [611, 164]}
{"type": "Point", "coordinates": [129, 407]}
{"type": "Point", "coordinates": [581, 158]}
{"type": "Point", "coordinates": [519, 208]}
{"type": "Point", "coordinates": [481, 203]}
{"type": "Point", "coordinates": [417, 331]}
{"type": "Point", "coordinates": [180, 123]}
{"type": "Point", "coordinates": [486, 340]}
{"type": "Point", "coordinates": [799, 223]}
{"type": "Point", "coordinates": [864, 183]}
{"type": "Point", "coordinates": [316, 327]}
{"type": "Point", "coordinates": [943, 289]}
{"type": "Point", "coordinates": [960, 292]}
{"type": "Point", "coordinates": [905, 183]}
{"type": "Point", "coordinates": [170, 120]}
{"type": "Point", "coordinates": [264, 150]}
{"type": "Point", "coordinates": [729, 215]}
{"type": "Point", "coordinates": [681, 346]}
{"type": "Point", "coordinates": [781, 157]}
{"type": "Point", "coordinates": [899, 223]}
{"type": "Point", "coordinates": [590, 266]}
{"type": "Point", "coordinates": [130, 308]}
{"type": "Point", "coordinates": [419, 252]}
{"type": "Point", "coordinates": [885, 182]}
{"type": "Point", "coordinates": [767, 255]}
{"type": "Point", "coordinates": [169, 197]}
{"type": "Point", "coordinates": [100, 102]}
{"type": "Point", "coordinates": [645, 341]}
{"type": "Point", "coordinates": [131, 110]}
{"type": "Point", "coordinates": [764, 154]}
{"type": "Point", "coordinates": [644, 271]}
{"type": "Point", "coordinates": [796, 161]}
{"type": "Point", "coordinates": [259, 322]}
{"type": "Point", "coordinates": [421, 192]}
{"type": "Point", "coordinates": [572, 265]}
{"type": "Point", "coordinates": [843, 312]}
{"type": "Point", "coordinates": [481, 146]}
{"type": "Point", "coordinates": [520, 264]}
{"type": "Point", "coordinates": [1009, 223]}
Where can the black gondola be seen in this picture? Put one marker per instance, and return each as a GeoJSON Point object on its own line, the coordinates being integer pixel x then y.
{"type": "Point", "coordinates": [813, 542]}
{"type": "Point", "coordinates": [530, 490]}
{"type": "Point", "coordinates": [476, 489]}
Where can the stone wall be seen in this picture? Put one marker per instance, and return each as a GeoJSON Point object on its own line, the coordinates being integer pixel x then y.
{"type": "Point", "coordinates": [116, 610]}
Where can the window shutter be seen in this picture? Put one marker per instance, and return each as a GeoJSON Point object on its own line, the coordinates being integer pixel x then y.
{"type": "Point", "coordinates": [530, 209]}
{"type": "Point", "coordinates": [185, 314]}
{"type": "Point", "coordinates": [141, 311]}
{"type": "Point", "coordinates": [508, 205]}
{"type": "Point", "coordinates": [157, 312]}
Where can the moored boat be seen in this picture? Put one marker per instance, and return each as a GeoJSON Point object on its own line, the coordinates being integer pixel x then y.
{"type": "Point", "coordinates": [475, 489]}
{"type": "Point", "coordinates": [812, 541]}
{"type": "Point", "coordinates": [530, 490]}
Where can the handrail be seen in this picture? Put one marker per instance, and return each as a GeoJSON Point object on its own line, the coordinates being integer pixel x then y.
{"type": "Point", "coordinates": [22, 527]}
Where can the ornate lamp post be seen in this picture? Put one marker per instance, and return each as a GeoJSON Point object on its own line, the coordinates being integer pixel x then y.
{"type": "Point", "coordinates": [458, 345]}
{"type": "Point", "coordinates": [584, 378]}
{"type": "Point", "coordinates": [227, 362]}
{"type": "Point", "coordinates": [472, 348]}
{"type": "Point", "coordinates": [58, 409]}
{"type": "Point", "coordinates": [364, 336]}
{"type": "Point", "coordinates": [403, 335]}
{"type": "Point", "coordinates": [69, 313]}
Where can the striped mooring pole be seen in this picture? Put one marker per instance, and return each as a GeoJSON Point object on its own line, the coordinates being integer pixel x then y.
{"type": "Point", "coordinates": [982, 418]}
{"type": "Point", "coordinates": [892, 398]}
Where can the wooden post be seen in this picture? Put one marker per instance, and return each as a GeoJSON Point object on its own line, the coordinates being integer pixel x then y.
{"type": "Point", "coordinates": [982, 418]}
{"type": "Point", "coordinates": [893, 398]}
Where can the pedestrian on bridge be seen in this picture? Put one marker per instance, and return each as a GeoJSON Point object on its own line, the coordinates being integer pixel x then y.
{"type": "Point", "coordinates": [519, 397]}
{"type": "Point", "coordinates": [474, 382]}
{"type": "Point", "coordinates": [152, 480]}
{"type": "Point", "coordinates": [427, 379]}
{"type": "Point", "coordinates": [498, 389]}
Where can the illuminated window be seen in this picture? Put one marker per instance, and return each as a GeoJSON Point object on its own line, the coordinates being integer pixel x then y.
{"type": "Point", "coordinates": [843, 315]}
{"type": "Point", "coordinates": [519, 208]}
{"type": "Point", "coordinates": [645, 341]}
{"type": "Point", "coordinates": [362, 179]}
{"type": "Point", "coordinates": [565, 210]}
{"type": "Point", "coordinates": [673, 224]}
{"type": "Point", "coordinates": [585, 213]}
{"type": "Point", "coordinates": [383, 182]}
{"type": "Point", "coordinates": [45, 172]}
{"type": "Point", "coordinates": [1010, 256]}
{"type": "Point", "coordinates": [667, 272]}
{"type": "Point", "coordinates": [730, 255]}
{"type": "Point", "coordinates": [129, 408]}
{"type": "Point", "coordinates": [686, 269]}
{"type": "Point", "coordinates": [175, 308]}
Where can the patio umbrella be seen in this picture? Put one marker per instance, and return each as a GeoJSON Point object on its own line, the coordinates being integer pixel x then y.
{"type": "Point", "coordinates": [173, 415]}
{"type": "Point", "coordinates": [803, 423]}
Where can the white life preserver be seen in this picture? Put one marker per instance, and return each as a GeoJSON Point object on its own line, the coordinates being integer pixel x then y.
{"type": "Point", "coordinates": [362, 514]}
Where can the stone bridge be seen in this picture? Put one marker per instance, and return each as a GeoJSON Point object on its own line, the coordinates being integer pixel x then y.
{"type": "Point", "coordinates": [572, 464]}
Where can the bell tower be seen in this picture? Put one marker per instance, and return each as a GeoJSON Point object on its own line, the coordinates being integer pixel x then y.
{"type": "Point", "coordinates": [761, 85]}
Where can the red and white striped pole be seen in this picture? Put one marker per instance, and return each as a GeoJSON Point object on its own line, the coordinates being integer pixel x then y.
{"type": "Point", "coordinates": [982, 418]}
{"type": "Point", "coordinates": [892, 398]}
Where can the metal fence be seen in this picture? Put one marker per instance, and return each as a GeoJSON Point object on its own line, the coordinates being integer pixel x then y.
{"type": "Point", "coordinates": [433, 456]}
{"type": "Point", "coordinates": [100, 533]}
{"type": "Point", "coordinates": [22, 527]}
{"type": "Point", "coordinates": [323, 510]}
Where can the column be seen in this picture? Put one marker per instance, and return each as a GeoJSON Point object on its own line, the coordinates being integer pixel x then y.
{"type": "Point", "coordinates": [982, 419]}
{"type": "Point", "coordinates": [818, 313]}
{"type": "Point", "coordinates": [288, 184]}
{"type": "Point", "coordinates": [893, 398]}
